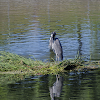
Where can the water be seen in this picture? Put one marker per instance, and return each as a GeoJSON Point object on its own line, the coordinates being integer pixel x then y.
{"type": "Point", "coordinates": [25, 27]}
{"type": "Point", "coordinates": [68, 86]}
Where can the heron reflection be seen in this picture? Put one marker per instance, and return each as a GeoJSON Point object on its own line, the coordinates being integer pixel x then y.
{"type": "Point", "coordinates": [55, 90]}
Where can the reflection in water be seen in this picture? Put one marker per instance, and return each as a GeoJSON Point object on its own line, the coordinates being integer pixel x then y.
{"type": "Point", "coordinates": [8, 19]}
{"type": "Point", "coordinates": [84, 85]}
{"type": "Point", "coordinates": [26, 26]}
{"type": "Point", "coordinates": [79, 38]}
{"type": "Point", "coordinates": [55, 90]}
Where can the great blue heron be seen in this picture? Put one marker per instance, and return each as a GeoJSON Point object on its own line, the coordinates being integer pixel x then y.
{"type": "Point", "coordinates": [55, 45]}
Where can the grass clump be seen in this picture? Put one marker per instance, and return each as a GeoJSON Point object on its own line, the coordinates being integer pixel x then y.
{"type": "Point", "coordinates": [14, 64]}
{"type": "Point", "coordinates": [14, 67]}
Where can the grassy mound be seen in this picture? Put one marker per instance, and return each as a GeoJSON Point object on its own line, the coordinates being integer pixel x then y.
{"type": "Point", "coordinates": [14, 67]}
{"type": "Point", "coordinates": [14, 64]}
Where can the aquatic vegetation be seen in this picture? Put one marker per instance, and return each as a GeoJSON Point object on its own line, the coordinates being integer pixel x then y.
{"type": "Point", "coordinates": [14, 67]}
{"type": "Point", "coordinates": [14, 64]}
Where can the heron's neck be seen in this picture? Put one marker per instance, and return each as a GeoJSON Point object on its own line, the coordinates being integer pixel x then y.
{"type": "Point", "coordinates": [53, 37]}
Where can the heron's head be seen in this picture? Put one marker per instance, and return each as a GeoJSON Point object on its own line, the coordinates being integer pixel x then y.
{"type": "Point", "coordinates": [53, 34]}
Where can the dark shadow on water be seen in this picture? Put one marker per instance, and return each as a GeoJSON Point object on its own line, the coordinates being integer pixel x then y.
{"type": "Point", "coordinates": [79, 37]}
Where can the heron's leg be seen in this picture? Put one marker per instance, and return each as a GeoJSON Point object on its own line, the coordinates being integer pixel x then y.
{"type": "Point", "coordinates": [56, 58]}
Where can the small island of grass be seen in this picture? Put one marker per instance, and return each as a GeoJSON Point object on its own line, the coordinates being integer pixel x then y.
{"type": "Point", "coordinates": [14, 64]}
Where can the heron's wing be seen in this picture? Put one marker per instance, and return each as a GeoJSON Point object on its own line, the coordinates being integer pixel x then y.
{"type": "Point", "coordinates": [56, 46]}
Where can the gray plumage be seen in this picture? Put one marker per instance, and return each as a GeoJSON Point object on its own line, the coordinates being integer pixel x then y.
{"type": "Point", "coordinates": [55, 45]}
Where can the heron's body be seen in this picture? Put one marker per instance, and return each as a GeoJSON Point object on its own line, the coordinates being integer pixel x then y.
{"type": "Point", "coordinates": [55, 45]}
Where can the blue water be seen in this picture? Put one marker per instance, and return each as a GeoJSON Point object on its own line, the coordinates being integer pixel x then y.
{"type": "Point", "coordinates": [27, 31]}
{"type": "Point", "coordinates": [25, 28]}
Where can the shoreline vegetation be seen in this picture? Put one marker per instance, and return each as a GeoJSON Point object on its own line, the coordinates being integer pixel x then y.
{"type": "Point", "coordinates": [14, 64]}
{"type": "Point", "coordinates": [14, 68]}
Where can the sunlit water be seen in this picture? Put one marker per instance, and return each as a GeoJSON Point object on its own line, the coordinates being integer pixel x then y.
{"type": "Point", "coordinates": [25, 28]}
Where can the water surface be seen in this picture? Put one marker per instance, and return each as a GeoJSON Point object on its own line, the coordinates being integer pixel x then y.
{"type": "Point", "coordinates": [73, 85]}
{"type": "Point", "coordinates": [26, 26]}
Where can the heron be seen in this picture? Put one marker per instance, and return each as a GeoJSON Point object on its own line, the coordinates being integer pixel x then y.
{"type": "Point", "coordinates": [56, 46]}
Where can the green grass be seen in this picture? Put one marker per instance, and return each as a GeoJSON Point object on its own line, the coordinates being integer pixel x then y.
{"type": "Point", "coordinates": [14, 64]}
{"type": "Point", "coordinates": [14, 67]}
